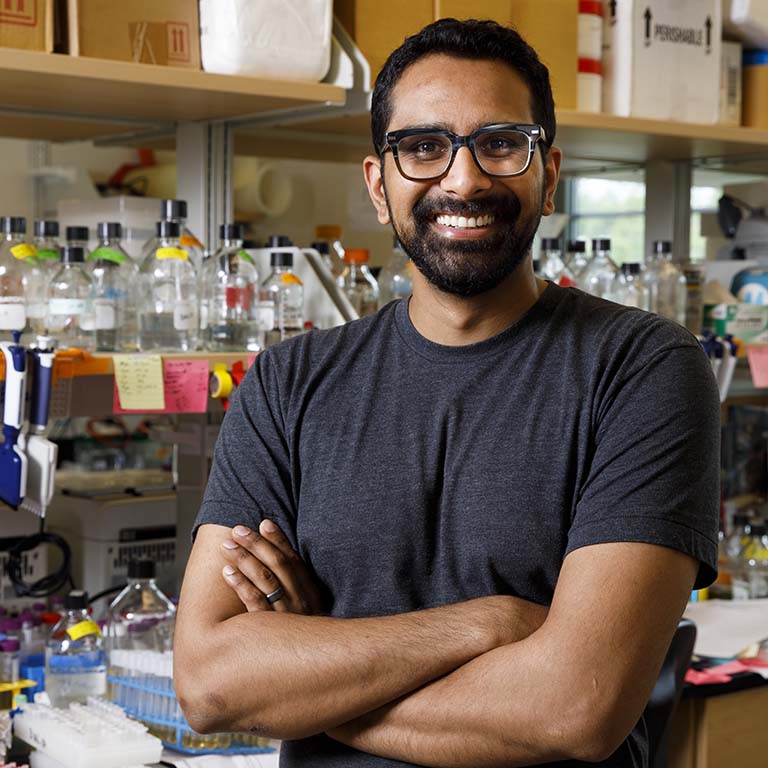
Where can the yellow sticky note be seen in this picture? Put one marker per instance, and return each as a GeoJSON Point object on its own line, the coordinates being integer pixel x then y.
{"type": "Point", "coordinates": [139, 380]}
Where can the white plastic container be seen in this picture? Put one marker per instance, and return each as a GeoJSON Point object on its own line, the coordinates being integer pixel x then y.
{"type": "Point", "coordinates": [590, 38]}
{"type": "Point", "coordinates": [277, 39]}
{"type": "Point", "coordinates": [589, 85]}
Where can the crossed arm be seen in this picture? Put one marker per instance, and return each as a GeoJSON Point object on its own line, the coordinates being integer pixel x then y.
{"type": "Point", "coordinates": [492, 681]}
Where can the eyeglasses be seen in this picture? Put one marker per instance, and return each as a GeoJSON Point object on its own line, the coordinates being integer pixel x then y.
{"type": "Point", "coordinates": [505, 149]}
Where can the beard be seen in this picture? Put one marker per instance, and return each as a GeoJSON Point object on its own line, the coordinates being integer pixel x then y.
{"type": "Point", "coordinates": [469, 267]}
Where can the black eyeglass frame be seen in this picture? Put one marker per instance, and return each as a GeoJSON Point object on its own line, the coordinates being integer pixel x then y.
{"type": "Point", "coordinates": [534, 132]}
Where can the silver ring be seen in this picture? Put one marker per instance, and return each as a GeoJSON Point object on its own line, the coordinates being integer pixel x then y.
{"type": "Point", "coordinates": [273, 597]}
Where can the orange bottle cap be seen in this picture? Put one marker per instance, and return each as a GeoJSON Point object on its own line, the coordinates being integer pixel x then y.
{"type": "Point", "coordinates": [356, 255]}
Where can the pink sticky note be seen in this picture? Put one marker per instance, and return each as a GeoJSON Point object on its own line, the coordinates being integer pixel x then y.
{"type": "Point", "coordinates": [758, 365]}
{"type": "Point", "coordinates": [185, 383]}
{"type": "Point", "coordinates": [186, 386]}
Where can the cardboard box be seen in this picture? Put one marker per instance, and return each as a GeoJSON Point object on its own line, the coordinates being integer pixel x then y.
{"type": "Point", "coordinates": [165, 32]}
{"type": "Point", "coordinates": [661, 59]}
{"type": "Point", "coordinates": [27, 24]}
{"type": "Point", "coordinates": [730, 84]}
{"type": "Point", "coordinates": [379, 28]}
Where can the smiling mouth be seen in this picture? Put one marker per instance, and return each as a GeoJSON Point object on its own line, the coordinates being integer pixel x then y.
{"type": "Point", "coordinates": [463, 222]}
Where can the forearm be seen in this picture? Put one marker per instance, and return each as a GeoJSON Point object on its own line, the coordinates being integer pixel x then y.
{"type": "Point", "coordinates": [496, 710]}
{"type": "Point", "coordinates": [289, 676]}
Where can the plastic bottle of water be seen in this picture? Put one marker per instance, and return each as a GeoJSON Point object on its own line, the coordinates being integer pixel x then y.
{"type": "Point", "coordinates": [70, 318]}
{"type": "Point", "coordinates": [114, 277]}
{"type": "Point", "coordinates": [169, 311]}
{"type": "Point", "coordinates": [286, 293]}
{"type": "Point", "coordinates": [230, 285]}
{"type": "Point", "coordinates": [666, 283]}
{"type": "Point", "coordinates": [395, 280]}
{"type": "Point", "coordinates": [13, 304]}
{"type": "Point", "coordinates": [176, 210]}
{"type": "Point", "coordinates": [74, 655]}
{"type": "Point", "coordinates": [358, 283]}
{"type": "Point", "coordinates": [599, 276]}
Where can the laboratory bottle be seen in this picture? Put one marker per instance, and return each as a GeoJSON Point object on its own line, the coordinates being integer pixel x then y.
{"type": "Point", "coordinates": [176, 210]}
{"type": "Point", "coordinates": [13, 304]}
{"type": "Point", "coordinates": [600, 274]}
{"type": "Point", "coordinates": [46, 242]}
{"type": "Point", "coordinates": [169, 308]}
{"type": "Point", "coordinates": [286, 293]}
{"type": "Point", "coordinates": [141, 617]}
{"type": "Point", "coordinates": [9, 660]}
{"type": "Point", "coordinates": [333, 256]}
{"type": "Point", "coordinates": [750, 579]}
{"type": "Point", "coordinates": [633, 291]}
{"type": "Point", "coordinates": [70, 319]}
{"type": "Point", "coordinates": [114, 277]}
{"type": "Point", "coordinates": [552, 265]}
{"type": "Point", "coordinates": [358, 283]}
{"type": "Point", "coordinates": [79, 236]}
{"type": "Point", "coordinates": [75, 665]}
{"type": "Point", "coordinates": [666, 283]}
{"type": "Point", "coordinates": [576, 258]}
{"type": "Point", "coordinates": [395, 280]}
{"type": "Point", "coordinates": [730, 551]}
{"type": "Point", "coordinates": [230, 284]}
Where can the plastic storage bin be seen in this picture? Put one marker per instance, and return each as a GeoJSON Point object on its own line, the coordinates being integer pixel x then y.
{"type": "Point", "coordinates": [289, 40]}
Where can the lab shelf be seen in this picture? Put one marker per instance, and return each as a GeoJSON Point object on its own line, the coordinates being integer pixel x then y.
{"type": "Point", "coordinates": [58, 97]}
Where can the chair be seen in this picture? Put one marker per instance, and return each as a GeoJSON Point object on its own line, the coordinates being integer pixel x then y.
{"type": "Point", "coordinates": [667, 692]}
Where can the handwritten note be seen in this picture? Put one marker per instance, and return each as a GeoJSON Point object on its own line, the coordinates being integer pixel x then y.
{"type": "Point", "coordinates": [183, 389]}
{"type": "Point", "coordinates": [186, 386]}
{"type": "Point", "coordinates": [758, 365]}
{"type": "Point", "coordinates": [139, 381]}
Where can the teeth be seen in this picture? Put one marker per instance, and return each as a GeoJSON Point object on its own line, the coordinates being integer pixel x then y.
{"type": "Point", "coordinates": [465, 223]}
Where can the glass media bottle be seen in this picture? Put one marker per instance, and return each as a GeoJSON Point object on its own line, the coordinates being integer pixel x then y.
{"type": "Point", "coordinates": [70, 318]}
{"type": "Point", "coordinates": [358, 283]}
{"type": "Point", "coordinates": [13, 303]}
{"type": "Point", "coordinates": [667, 290]}
{"type": "Point", "coordinates": [395, 280]}
{"type": "Point", "coordinates": [75, 666]}
{"type": "Point", "coordinates": [169, 309]}
{"type": "Point", "coordinates": [176, 210]}
{"type": "Point", "coordinates": [284, 290]}
{"type": "Point", "coordinates": [599, 275]}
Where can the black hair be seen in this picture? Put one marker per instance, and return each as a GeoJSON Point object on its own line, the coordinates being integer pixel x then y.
{"type": "Point", "coordinates": [470, 39]}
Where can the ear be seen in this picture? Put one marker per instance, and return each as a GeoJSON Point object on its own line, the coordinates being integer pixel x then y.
{"type": "Point", "coordinates": [551, 177]}
{"type": "Point", "coordinates": [372, 170]}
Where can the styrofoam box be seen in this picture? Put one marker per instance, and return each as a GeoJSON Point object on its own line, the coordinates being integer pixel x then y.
{"type": "Point", "coordinates": [661, 59]}
{"type": "Point", "coordinates": [136, 214]}
{"type": "Point", "coordinates": [747, 20]}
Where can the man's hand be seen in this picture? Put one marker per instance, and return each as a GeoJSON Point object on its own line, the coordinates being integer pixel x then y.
{"type": "Point", "coordinates": [262, 563]}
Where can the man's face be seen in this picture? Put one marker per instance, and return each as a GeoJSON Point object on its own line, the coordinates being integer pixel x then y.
{"type": "Point", "coordinates": [461, 95]}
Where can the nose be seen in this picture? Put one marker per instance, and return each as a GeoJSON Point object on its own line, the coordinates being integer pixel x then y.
{"type": "Point", "coordinates": [465, 178]}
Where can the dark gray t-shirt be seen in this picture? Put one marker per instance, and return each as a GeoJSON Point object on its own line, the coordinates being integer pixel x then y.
{"type": "Point", "coordinates": [409, 474]}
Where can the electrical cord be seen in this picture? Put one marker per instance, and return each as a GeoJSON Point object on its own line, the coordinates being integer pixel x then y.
{"type": "Point", "coordinates": [106, 592]}
{"type": "Point", "coordinates": [49, 584]}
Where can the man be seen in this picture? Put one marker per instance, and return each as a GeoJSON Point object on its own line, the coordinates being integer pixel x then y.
{"type": "Point", "coordinates": [460, 532]}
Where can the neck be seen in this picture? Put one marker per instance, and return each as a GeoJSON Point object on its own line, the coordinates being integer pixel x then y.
{"type": "Point", "coordinates": [456, 321]}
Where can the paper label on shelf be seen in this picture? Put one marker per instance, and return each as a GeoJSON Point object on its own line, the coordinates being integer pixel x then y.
{"type": "Point", "coordinates": [190, 241]}
{"type": "Point", "coordinates": [47, 254]}
{"type": "Point", "coordinates": [13, 314]}
{"type": "Point", "coordinates": [139, 382]}
{"type": "Point", "coordinates": [172, 253]}
{"type": "Point", "coordinates": [108, 254]}
{"type": "Point", "coordinates": [186, 386]}
{"type": "Point", "coordinates": [290, 279]}
{"type": "Point", "coordinates": [185, 316]}
{"type": "Point", "coordinates": [66, 306]}
{"type": "Point", "coordinates": [758, 366]}
{"type": "Point", "coordinates": [264, 316]}
{"type": "Point", "coordinates": [105, 314]}
{"type": "Point", "coordinates": [23, 251]}
{"type": "Point", "coordinates": [83, 628]}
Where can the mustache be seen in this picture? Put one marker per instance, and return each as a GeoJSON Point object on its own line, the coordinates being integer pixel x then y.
{"type": "Point", "coordinates": [501, 206]}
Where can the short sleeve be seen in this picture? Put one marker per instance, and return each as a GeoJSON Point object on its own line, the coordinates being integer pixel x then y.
{"type": "Point", "coordinates": [251, 478]}
{"type": "Point", "coordinates": [654, 473]}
